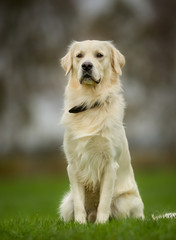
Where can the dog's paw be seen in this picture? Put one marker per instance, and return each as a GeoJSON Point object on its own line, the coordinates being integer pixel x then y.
{"type": "Point", "coordinates": [80, 219]}
{"type": "Point", "coordinates": [102, 218]}
{"type": "Point", "coordinates": [92, 216]}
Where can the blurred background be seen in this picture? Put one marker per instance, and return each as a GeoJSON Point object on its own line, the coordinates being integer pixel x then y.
{"type": "Point", "coordinates": [34, 35]}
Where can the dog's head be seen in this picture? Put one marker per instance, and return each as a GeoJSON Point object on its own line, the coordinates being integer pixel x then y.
{"type": "Point", "coordinates": [90, 61]}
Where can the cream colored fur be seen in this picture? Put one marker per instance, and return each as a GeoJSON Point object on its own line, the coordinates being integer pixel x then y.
{"type": "Point", "coordinates": [101, 177]}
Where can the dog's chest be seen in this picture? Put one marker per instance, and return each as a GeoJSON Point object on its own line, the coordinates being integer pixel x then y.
{"type": "Point", "coordinates": [93, 154]}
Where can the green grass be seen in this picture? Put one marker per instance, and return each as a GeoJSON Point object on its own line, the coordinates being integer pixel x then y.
{"type": "Point", "coordinates": [28, 210]}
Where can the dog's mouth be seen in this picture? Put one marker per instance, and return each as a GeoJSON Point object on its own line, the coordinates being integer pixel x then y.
{"type": "Point", "coordinates": [87, 78]}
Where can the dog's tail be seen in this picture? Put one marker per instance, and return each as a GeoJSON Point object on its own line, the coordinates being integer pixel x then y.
{"type": "Point", "coordinates": [165, 215]}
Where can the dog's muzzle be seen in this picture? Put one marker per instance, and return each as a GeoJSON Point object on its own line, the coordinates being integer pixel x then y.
{"type": "Point", "coordinates": [87, 76]}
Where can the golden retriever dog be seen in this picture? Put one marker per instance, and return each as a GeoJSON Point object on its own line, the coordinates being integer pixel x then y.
{"type": "Point", "coordinates": [102, 183]}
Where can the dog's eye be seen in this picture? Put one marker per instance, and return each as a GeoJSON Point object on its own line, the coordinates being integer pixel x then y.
{"type": "Point", "coordinates": [79, 55]}
{"type": "Point", "coordinates": [99, 55]}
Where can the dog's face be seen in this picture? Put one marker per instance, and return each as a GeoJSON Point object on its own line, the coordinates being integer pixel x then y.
{"type": "Point", "coordinates": [90, 61]}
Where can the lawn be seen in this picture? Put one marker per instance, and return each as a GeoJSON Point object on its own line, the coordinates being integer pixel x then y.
{"type": "Point", "coordinates": [28, 210]}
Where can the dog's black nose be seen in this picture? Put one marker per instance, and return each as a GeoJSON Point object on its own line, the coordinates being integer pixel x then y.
{"type": "Point", "coordinates": [87, 66]}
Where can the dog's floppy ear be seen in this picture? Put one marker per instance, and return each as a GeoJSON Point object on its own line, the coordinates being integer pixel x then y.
{"type": "Point", "coordinates": [66, 62]}
{"type": "Point", "coordinates": [117, 60]}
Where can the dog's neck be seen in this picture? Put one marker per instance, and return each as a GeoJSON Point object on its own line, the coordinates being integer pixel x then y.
{"type": "Point", "coordinates": [83, 107]}
{"type": "Point", "coordinates": [99, 99]}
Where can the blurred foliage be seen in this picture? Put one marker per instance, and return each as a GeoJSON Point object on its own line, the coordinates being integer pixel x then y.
{"type": "Point", "coordinates": [35, 34]}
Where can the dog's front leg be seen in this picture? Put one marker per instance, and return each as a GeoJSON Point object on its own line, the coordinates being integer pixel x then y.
{"type": "Point", "coordinates": [78, 196]}
{"type": "Point", "coordinates": [106, 192]}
